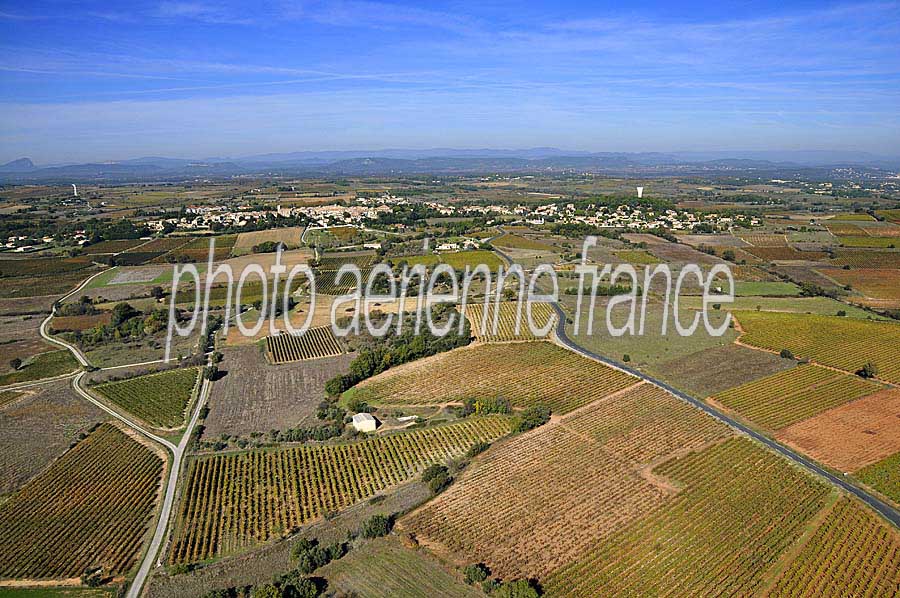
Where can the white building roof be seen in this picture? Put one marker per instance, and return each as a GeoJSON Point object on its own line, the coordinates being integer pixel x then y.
{"type": "Point", "coordinates": [360, 418]}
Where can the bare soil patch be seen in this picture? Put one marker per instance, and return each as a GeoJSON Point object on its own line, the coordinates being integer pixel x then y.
{"type": "Point", "coordinates": [254, 396]}
{"type": "Point", "coordinates": [851, 436]}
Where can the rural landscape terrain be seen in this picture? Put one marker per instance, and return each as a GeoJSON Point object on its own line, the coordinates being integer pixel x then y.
{"type": "Point", "coordinates": [764, 461]}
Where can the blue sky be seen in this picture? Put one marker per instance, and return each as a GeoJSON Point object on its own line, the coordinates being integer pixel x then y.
{"type": "Point", "coordinates": [86, 81]}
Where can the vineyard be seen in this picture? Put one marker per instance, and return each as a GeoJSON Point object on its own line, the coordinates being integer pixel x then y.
{"type": "Point", "coordinates": [523, 373]}
{"type": "Point", "coordinates": [313, 344]}
{"type": "Point", "coordinates": [8, 396]}
{"type": "Point", "coordinates": [511, 241]}
{"type": "Point", "coordinates": [327, 284]}
{"type": "Point", "coordinates": [740, 508]}
{"type": "Point", "coordinates": [116, 246]}
{"type": "Point", "coordinates": [91, 508]}
{"type": "Point", "coordinates": [851, 436]}
{"type": "Point", "coordinates": [784, 253]}
{"type": "Point", "coordinates": [884, 476]}
{"type": "Point", "coordinates": [880, 242]}
{"type": "Point", "coordinates": [845, 343]}
{"type": "Point", "coordinates": [852, 553]}
{"type": "Point", "coordinates": [867, 258]}
{"type": "Point", "coordinates": [645, 423]}
{"type": "Point", "coordinates": [159, 399]}
{"type": "Point", "coordinates": [764, 240]}
{"type": "Point", "coordinates": [785, 398]}
{"type": "Point", "coordinates": [232, 501]}
{"type": "Point", "coordinates": [882, 287]}
{"type": "Point", "coordinates": [336, 260]}
{"type": "Point", "coordinates": [537, 502]}
{"type": "Point", "coordinates": [42, 266]}
{"type": "Point", "coordinates": [840, 229]}
{"type": "Point", "coordinates": [505, 316]}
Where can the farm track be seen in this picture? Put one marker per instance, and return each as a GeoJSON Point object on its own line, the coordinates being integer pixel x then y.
{"type": "Point", "coordinates": [885, 510]}
{"type": "Point", "coordinates": [177, 451]}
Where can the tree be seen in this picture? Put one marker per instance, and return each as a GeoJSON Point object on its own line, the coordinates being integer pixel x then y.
{"type": "Point", "coordinates": [786, 354]}
{"type": "Point", "coordinates": [377, 526]}
{"type": "Point", "coordinates": [15, 363]}
{"type": "Point", "coordinates": [157, 293]}
{"type": "Point", "coordinates": [870, 370]}
{"type": "Point", "coordinates": [210, 372]}
{"type": "Point", "coordinates": [92, 577]}
{"type": "Point", "coordinates": [532, 417]}
{"type": "Point", "coordinates": [519, 588]}
{"type": "Point", "coordinates": [476, 573]}
{"type": "Point", "coordinates": [121, 313]}
{"type": "Point", "coordinates": [266, 590]}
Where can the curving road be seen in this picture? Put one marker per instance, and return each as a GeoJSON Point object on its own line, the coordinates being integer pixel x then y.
{"type": "Point", "coordinates": [884, 509]}
{"type": "Point", "coordinates": [177, 451]}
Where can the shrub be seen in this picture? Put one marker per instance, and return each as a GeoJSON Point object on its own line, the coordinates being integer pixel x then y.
{"type": "Point", "coordinates": [519, 588]}
{"type": "Point", "coordinates": [626, 358]}
{"type": "Point", "coordinates": [841, 313]}
{"type": "Point", "coordinates": [870, 370]}
{"type": "Point", "coordinates": [433, 471]}
{"type": "Point", "coordinates": [476, 573]}
{"type": "Point", "coordinates": [439, 483]}
{"type": "Point", "coordinates": [786, 354]}
{"type": "Point", "coordinates": [532, 417]}
{"type": "Point", "coordinates": [476, 449]}
{"type": "Point", "coordinates": [377, 526]}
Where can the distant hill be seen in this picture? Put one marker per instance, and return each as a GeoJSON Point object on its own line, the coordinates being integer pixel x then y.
{"type": "Point", "coordinates": [20, 165]}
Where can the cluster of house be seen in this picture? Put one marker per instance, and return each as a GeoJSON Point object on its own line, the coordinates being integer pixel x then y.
{"type": "Point", "coordinates": [24, 243]}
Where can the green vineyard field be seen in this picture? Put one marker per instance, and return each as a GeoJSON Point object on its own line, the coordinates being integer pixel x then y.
{"type": "Point", "coordinates": [313, 344]}
{"type": "Point", "coordinates": [785, 398]}
{"type": "Point", "coordinates": [843, 343]}
{"type": "Point", "coordinates": [505, 316]}
{"type": "Point", "coordinates": [159, 399]}
{"type": "Point", "coordinates": [235, 500]}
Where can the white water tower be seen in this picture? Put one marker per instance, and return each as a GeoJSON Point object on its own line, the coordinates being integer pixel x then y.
{"type": "Point", "coordinates": [74, 190]}
{"type": "Point", "coordinates": [640, 191]}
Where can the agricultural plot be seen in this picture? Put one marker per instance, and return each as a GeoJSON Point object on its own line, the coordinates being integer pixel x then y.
{"type": "Point", "coordinates": [73, 323]}
{"type": "Point", "coordinates": [824, 306]}
{"type": "Point", "coordinates": [290, 236]}
{"type": "Point", "coordinates": [851, 436]}
{"type": "Point", "coordinates": [506, 315]}
{"type": "Point", "coordinates": [91, 508]}
{"type": "Point", "coordinates": [117, 246]}
{"type": "Point", "coordinates": [764, 239]}
{"type": "Point", "coordinates": [384, 568]}
{"type": "Point", "coordinates": [8, 396]}
{"type": "Point", "coordinates": [716, 369]}
{"type": "Point", "coordinates": [791, 396]}
{"type": "Point", "coordinates": [523, 373]}
{"type": "Point", "coordinates": [460, 260]}
{"type": "Point", "coordinates": [878, 242]}
{"type": "Point", "coordinates": [253, 396]}
{"type": "Point", "coordinates": [513, 241]}
{"type": "Point", "coordinates": [881, 229]}
{"type": "Point", "coordinates": [645, 423]}
{"type": "Point", "coordinates": [42, 266]}
{"type": "Point", "coordinates": [524, 509]}
{"type": "Point", "coordinates": [771, 254]}
{"type": "Point", "coordinates": [36, 426]}
{"type": "Point", "coordinates": [197, 250]}
{"type": "Point", "coordinates": [852, 553]}
{"type": "Point", "coordinates": [159, 399]}
{"type": "Point", "coordinates": [880, 287]}
{"type": "Point", "coordinates": [890, 215]}
{"type": "Point", "coordinates": [161, 245]}
{"type": "Point", "coordinates": [739, 509]}
{"type": "Point", "coordinates": [43, 365]}
{"type": "Point", "coordinates": [884, 476]}
{"type": "Point", "coordinates": [315, 343]}
{"type": "Point", "coordinates": [844, 343]}
{"type": "Point", "coordinates": [235, 500]}
{"type": "Point", "coordinates": [845, 229]}
{"type": "Point", "coordinates": [867, 258]}
{"type": "Point", "coordinates": [765, 289]}
{"type": "Point", "coordinates": [327, 282]}
{"type": "Point", "coordinates": [334, 261]}
{"type": "Point", "coordinates": [636, 257]}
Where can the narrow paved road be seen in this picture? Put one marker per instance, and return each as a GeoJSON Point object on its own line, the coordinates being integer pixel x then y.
{"type": "Point", "coordinates": [884, 509]}
{"type": "Point", "coordinates": [177, 451]}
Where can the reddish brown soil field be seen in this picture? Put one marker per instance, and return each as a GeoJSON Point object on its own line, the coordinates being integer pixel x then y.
{"type": "Point", "coordinates": [851, 436]}
{"type": "Point", "coordinates": [71, 323]}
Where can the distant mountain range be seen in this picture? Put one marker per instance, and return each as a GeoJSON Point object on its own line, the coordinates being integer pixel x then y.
{"type": "Point", "coordinates": [446, 161]}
